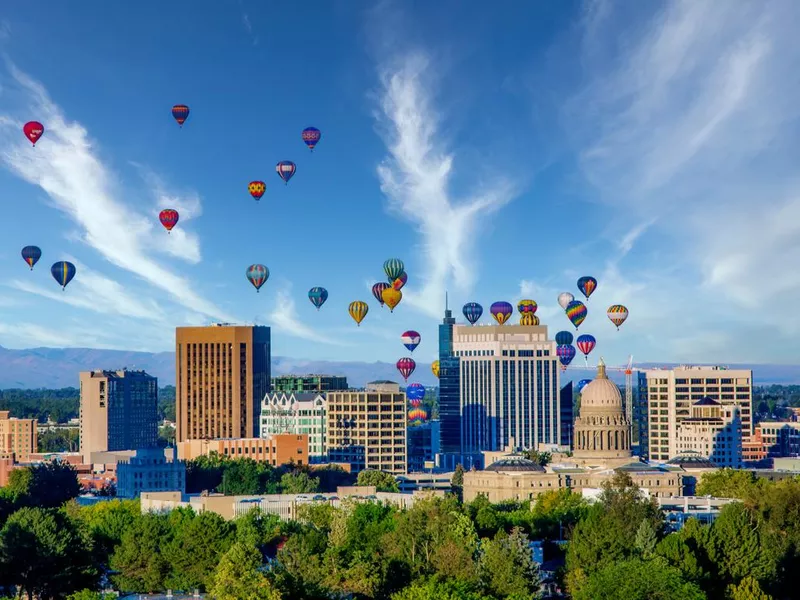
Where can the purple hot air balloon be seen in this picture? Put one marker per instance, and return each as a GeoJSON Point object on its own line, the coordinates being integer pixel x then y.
{"type": "Point", "coordinates": [565, 355]}
{"type": "Point", "coordinates": [501, 311]}
{"type": "Point", "coordinates": [472, 312]}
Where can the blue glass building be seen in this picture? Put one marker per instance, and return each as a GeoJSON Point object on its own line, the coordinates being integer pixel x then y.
{"type": "Point", "coordinates": [449, 388]}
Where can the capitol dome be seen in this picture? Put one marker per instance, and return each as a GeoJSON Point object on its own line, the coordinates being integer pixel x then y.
{"type": "Point", "coordinates": [601, 393]}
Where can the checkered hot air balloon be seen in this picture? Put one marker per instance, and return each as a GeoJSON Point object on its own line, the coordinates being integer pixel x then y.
{"type": "Point", "coordinates": [257, 189]}
{"type": "Point", "coordinates": [617, 314]}
{"type": "Point", "coordinates": [565, 355]}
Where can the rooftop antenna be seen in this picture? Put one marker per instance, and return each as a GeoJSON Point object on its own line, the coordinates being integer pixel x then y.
{"type": "Point", "coordinates": [446, 301]}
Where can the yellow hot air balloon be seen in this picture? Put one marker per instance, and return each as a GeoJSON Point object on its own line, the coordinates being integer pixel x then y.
{"type": "Point", "coordinates": [435, 368]}
{"type": "Point", "coordinates": [358, 310]}
{"type": "Point", "coordinates": [528, 318]}
{"type": "Point", "coordinates": [391, 297]}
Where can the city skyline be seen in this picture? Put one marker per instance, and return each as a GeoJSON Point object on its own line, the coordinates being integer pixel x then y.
{"type": "Point", "coordinates": [632, 145]}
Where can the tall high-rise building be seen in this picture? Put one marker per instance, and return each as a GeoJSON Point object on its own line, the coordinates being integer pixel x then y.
{"type": "Point", "coordinates": [309, 383]}
{"type": "Point", "coordinates": [509, 388]}
{"type": "Point", "coordinates": [641, 432]}
{"type": "Point", "coordinates": [222, 373]}
{"type": "Point", "coordinates": [449, 393]}
{"type": "Point", "coordinates": [17, 437]}
{"type": "Point", "coordinates": [567, 416]}
{"type": "Point", "coordinates": [671, 393]}
{"type": "Point", "coordinates": [118, 411]}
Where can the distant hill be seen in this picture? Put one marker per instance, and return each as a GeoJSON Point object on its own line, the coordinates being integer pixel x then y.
{"type": "Point", "coordinates": [59, 367]}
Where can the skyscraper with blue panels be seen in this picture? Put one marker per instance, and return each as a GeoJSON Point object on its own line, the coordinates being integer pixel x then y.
{"type": "Point", "coordinates": [449, 388]}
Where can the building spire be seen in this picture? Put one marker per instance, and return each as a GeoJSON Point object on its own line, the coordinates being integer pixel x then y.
{"type": "Point", "coordinates": [601, 369]}
{"type": "Point", "coordinates": [446, 301]}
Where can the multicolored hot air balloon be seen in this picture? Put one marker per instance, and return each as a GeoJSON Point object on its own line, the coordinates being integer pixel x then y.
{"type": "Point", "coordinates": [318, 296]}
{"type": "Point", "coordinates": [528, 319]}
{"type": "Point", "coordinates": [391, 297]}
{"type": "Point", "coordinates": [180, 112]}
{"type": "Point", "coordinates": [564, 298]}
{"type": "Point", "coordinates": [527, 306]}
{"type": "Point", "coordinates": [501, 311]}
{"type": "Point", "coordinates": [257, 189]}
{"type": "Point", "coordinates": [377, 291]}
{"type": "Point", "coordinates": [411, 339]}
{"type": "Point", "coordinates": [393, 268]}
{"type": "Point", "coordinates": [472, 312]}
{"type": "Point", "coordinates": [617, 314]}
{"type": "Point", "coordinates": [587, 285]}
{"type": "Point", "coordinates": [576, 312]}
{"type": "Point", "coordinates": [31, 255]}
{"type": "Point", "coordinates": [169, 218]}
{"type": "Point", "coordinates": [417, 415]}
{"type": "Point", "coordinates": [564, 338]}
{"type": "Point", "coordinates": [582, 384]}
{"type": "Point", "coordinates": [33, 130]}
{"type": "Point", "coordinates": [63, 272]}
{"type": "Point", "coordinates": [257, 275]}
{"type": "Point", "coordinates": [586, 344]}
{"type": "Point", "coordinates": [435, 368]}
{"type": "Point", "coordinates": [415, 392]}
{"type": "Point", "coordinates": [406, 367]}
{"type": "Point", "coordinates": [400, 281]}
{"type": "Point", "coordinates": [285, 170]}
{"type": "Point", "coordinates": [565, 355]}
{"type": "Point", "coordinates": [311, 137]}
{"type": "Point", "coordinates": [358, 310]}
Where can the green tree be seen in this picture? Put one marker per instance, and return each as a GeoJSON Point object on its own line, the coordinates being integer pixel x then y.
{"type": "Point", "coordinates": [738, 547]}
{"type": "Point", "coordinates": [138, 559]}
{"type": "Point", "coordinates": [88, 594]}
{"type": "Point", "coordinates": [679, 554]}
{"type": "Point", "coordinates": [108, 522]}
{"type": "Point", "coordinates": [748, 589]}
{"type": "Point", "coordinates": [46, 485]}
{"type": "Point", "coordinates": [507, 568]}
{"type": "Point", "coordinates": [298, 482]}
{"type": "Point", "coordinates": [457, 483]}
{"type": "Point", "coordinates": [196, 548]}
{"type": "Point", "coordinates": [256, 528]}
{"type": "Point", "coordinates": [300, 572]}
{"type": "Point", "coordinates": [58, 440]}
{"type": "Point", "coordinates": [635, 579]}
{"type": "Point", "coordinates": [542, 458]}
{"type": "Point", "coordinates": [730, 483]}
{"type": "Point", "coordinates": [646, 539]}
{"type": "Point", "coordinates": [238, 576]}
{"type": "Point", "coordinates": [435, 589]}
{"type": "Point", "coordinates": [383, 482]}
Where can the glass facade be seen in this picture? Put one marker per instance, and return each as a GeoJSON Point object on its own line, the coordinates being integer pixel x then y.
{"type": "Point", "coordinates": [449, 385]}
{"type": "Point", "coordinates": [640, 444]}
{"type": "Point", "coordinates": [567, 416]}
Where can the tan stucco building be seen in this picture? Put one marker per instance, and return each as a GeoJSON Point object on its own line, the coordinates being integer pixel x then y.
{"type": "Point", "coordinates": [17, 436]}
{"type": "Point", "coordinates": [276, 450]}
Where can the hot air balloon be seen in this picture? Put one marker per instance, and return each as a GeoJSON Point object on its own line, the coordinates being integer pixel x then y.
{"type": "Point", "coordinates": [169, 218]}
{"type": "Point", "coordinates": [358, 310]}
{"type": "Point", "coordinates": [406, 367]}
{"type": "Point", "coordinates": [501, 311]}
{"type": "Point", "coordinates": [582, 384]}
{"type": "Point", "coordinates": [410, 339]}
{"type": "Point", "coordinates": [417, 415]}
{"type": "Point", "coordinates": [565, 355]}
{"type": "Point", "coordinates": [63, 272]}
{"type": "Point", "coordinates": [257, 275]}
{"type": "Point", "coordinates": [527, 306]}
{"type": "Point", "coordinates": [393, 268]}
{"type": "Point", "coordinates": [286, 170]}
{"type": "Point", "coordinates": [318, 296]}
{"type": "Point", "coordinates": [33, 130]}
{"type": "Point", "coordinates": [31, 255]}
{"type": "Point", "coordinates": [586, 344]}
{"type": "Point", "coordinates": [617, 314]}
{"type": "Point", "coordinates": [180, 112]}
{"type": "Point", "coordinates": [528, 319]}
{"type": "Point", "coordinates": [564, 338]}
{"type": "Point", "coordinates": [472, 312]}
{"type": "Point", "coordinates": [391, 297]}
{"type": "Point", "coordinates": [564, 299]}
{"type": "Point", "coordinates": [400, 281]}
{"type": "Point", "coordinates": [377, 291]}
{"type": "Point", "coordinates": [311, 137]}
{"type": "Point", "coordinates": [257, 189]}
{"type": "Point", "coordinates": [587, 285]}
{"type": "Point", "coordinates": [415, 392]}
{"type": "Point", "coordinates": [576, 312]}
{"type": "Point", "coordinates": [435, 368]}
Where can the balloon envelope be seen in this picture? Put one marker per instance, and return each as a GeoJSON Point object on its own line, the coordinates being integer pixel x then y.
{"type": "Point", "coordinates": [33, 130]}
{"type": "Point", "coordinates": [587, 285]}
{"type": "Point", "coordinates": [31, 255]}
{"type": "Point", "coordinates": [393, 268]}
{"type": "Point", "coordinates": [564, 338]}
{"type": "Point", "coordinates": [63, 272]}
{"type": "Point", "coordinates": [391, 297]}
{"type": "Point", "coordinates": [566, 354]}
{"type": "Point", "coordinates": [501, 311]}
{"type": "Point", "coordinates": [415, 391]}
{"type": "Point", "coordinates": [311, 136]}
{"type": "Point", "coordinates": [582, 384]}
{"type": "Point", "coordinates": [564, 299]}
{"type": "Point", "coordinates": [528, 319]}
{"type": "Point", "coordinates": [377, 291]}
{"type": "Point", "coordinates": [472, 312]}
{"type": "Point", "coordinates": [400, 281]}
{"type": "Point", "coordinates": [169, 218]}
{"type": "Point", "coordinates": [257, 189]}
{"type": "Point", "coordinates": [318, 296]}
{"type": "Point", "coordinates": [410, 339]}
{"type": "Point", "coordinates": [358, 310]}
{"type": "Point", "coordinates": [285, 170]}
{"type": "Point", "coordinates": [435, 368]}
{"type": "Point", "coordinates": [527, 306]}
{"type": "Point", "coordinates": [586, 343]}
{"type": "Point", "coordinates": [406, 367]}
{"type": "Point", "coordinates": [257, 275]}
{"type": "Point", "coordinates": [180, 112]}
{"type": "Point", "coordinates": [617, 314]}
{"type": "Point", "coordinates": [576, 312]}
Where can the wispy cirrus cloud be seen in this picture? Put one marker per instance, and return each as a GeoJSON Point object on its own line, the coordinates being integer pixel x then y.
{"type": "Point", "coordinates": [284, 317]}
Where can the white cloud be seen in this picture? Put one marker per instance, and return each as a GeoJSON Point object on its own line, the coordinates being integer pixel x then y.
{"type": "Point", "coordinates": [415, 178]}
{"type": "Point", "coordinates": [284, 317]}
{"type": "Point", "coordinates": [28, 335]}
{"type": "Point", "coordinates": [65, 164]}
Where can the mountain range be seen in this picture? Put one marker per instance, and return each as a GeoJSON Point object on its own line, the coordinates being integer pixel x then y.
{"type": "Point", "coordinates": [59, 367]}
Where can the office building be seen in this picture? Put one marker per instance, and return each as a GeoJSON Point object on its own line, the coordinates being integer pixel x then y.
{"type": "Point", "coordinates": [275, 450]}
{"type": "Point", "coordinates": [671, 393]}
{"type": "Point", "coordinates": [299, 413]}
{"type": "Point", "coordinates": [641, 433]}
{"type": "Point", "coordinates": [423, 445]}
{"type": "Point", "coordinates": [150, 470]}
{"type": "Point", "coordinates": [713, 430]}
{"type": "Point", "coordinates": [222, 374]}
{"type": "Point", "coordinates": [771, 440]}
{"type": "Point", "coordinates": [367, 429]}
{"type": "Point", "coordinates": [509, 386]}
{"type": "Point", "coordinates": [567, 416]}
{"type": "Point", "coordinates": [18, 437]}
{"type": "Point", "coordinates": [308, 383]}
{"type": "Point", "coordinates": [449, 388]}
{"type": "Point", "coordinates": [118, 411]}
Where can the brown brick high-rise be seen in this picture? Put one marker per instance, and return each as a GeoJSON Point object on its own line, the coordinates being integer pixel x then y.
{"type": "Point", "coordinates": [222, 374]}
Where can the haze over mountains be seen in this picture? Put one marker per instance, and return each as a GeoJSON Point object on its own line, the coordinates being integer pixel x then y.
{"type": "Point", "coordinates": [59, 367]}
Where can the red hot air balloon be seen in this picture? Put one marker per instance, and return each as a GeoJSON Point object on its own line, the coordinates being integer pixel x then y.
{"type": "Point", "coordinates": [33, 130]}
{"type": "Point", "coordinates": [257, 189]}
{"type": "Point", "coordinates": [169, 218]}
{"type": "Point", "coordinates": [406, 367]}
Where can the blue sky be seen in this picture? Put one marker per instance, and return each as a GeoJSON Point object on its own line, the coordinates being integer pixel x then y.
{"type": "Point", "coordinates": [501, 154]}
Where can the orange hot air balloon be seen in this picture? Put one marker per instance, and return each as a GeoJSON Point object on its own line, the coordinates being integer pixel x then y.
{"type": "Point", "coordinates": [391, 297]}
{"type": "Point", "coordinates": [435, 368]}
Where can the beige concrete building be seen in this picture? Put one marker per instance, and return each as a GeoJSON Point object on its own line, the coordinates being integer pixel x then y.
{"type": "Point", "coordinates": [118, 411]}
{"type": "Point", "coordinates": [713, 430]}
{"type": "Point", "coordinates": [671, 393]}
{"type": "Point", "coordinates": [276, 450]}
{"type": "Point", "coordinates": [222, 373]}
{"type": "Point", "coordinates": [18, 437]}
{"type": "Point", "coordinates": [509, 386]}
{"type": "Point", "coordinates": [368, 428]}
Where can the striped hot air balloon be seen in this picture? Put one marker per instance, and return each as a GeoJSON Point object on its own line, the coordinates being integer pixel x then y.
{"type": "Point", "coordinates": [358, 310]}
{"type": "Point", "coordinates": [180, 112]}
{"type": "Point", "coordinates": [286, 170]}
{"type": "Point", "coordinates": [63, 272]}
{"type": "Point", "coordinates": [257, 275]}
{"type": "Point", "coordinates": [617, 314]}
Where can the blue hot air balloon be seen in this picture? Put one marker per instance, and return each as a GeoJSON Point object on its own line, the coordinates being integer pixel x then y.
{"type": "Point", "coordinates": [564, 338]}
{"type": "Point", "coordinates": [415, 391]}
{"type": "Point", "coordinates": [317, 295]}
{"type": "Point", "coordinates": [582, 384]}
{"type": "Point", "coordinates": [311, 136]}
{"type": "Point", "coordinates": [31, 255]}
{"type": "Point", "coordinates": [565, 354]}
{"type": "Point", "coordinates": [286, 170]}
{"type": "Point", "coordinates": [472, 312]}
{"type": "Point", "coordinates": [63, 272]}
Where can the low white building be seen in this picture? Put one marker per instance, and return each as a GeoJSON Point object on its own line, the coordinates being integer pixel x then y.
{"type": "Point", "coordinates": [150, 470]}
{"type": "Point", "coordinates": [713, 430]}
{"type": "Point", "coordinates": [297, 413]}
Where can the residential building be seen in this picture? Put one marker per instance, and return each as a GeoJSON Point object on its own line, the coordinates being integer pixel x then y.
{"type": "Point", "coordinates": [222, 373]}
{"type": "Point", "coordinates": [671, 393]}
{"type": "Point", "coordinates": [276, 450]}
{"type": "Point", "coordinates": [713, 430]}
{"type": "Point", "coordinates": [449, 388]}
{"type": "Point", "coordinates": [367, 429]}
{"type": "Point", "coordinates": [150, 470]}
{"type": "Point", "coordinates": [509, 386]}
{"type": "Point", "coordinates": [310, 384]}
{"type": "Point", "coordinates": [118, 411]}
{"type": "Point", "coordinates": [298, 413]}
{"type": "Point", "coordinates": [18, 437]}
{"type": "Point", "coordinates": [423, 445]}
{"type": "Point", "coordinates": [567, 417]}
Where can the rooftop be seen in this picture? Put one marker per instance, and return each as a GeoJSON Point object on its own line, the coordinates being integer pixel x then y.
{"type": "Point", "coordinates": [691, 460]}
{"type": "Point", "coordinates": [707, 401]}
{"type": "Point", "coordinates": [515, 464]}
